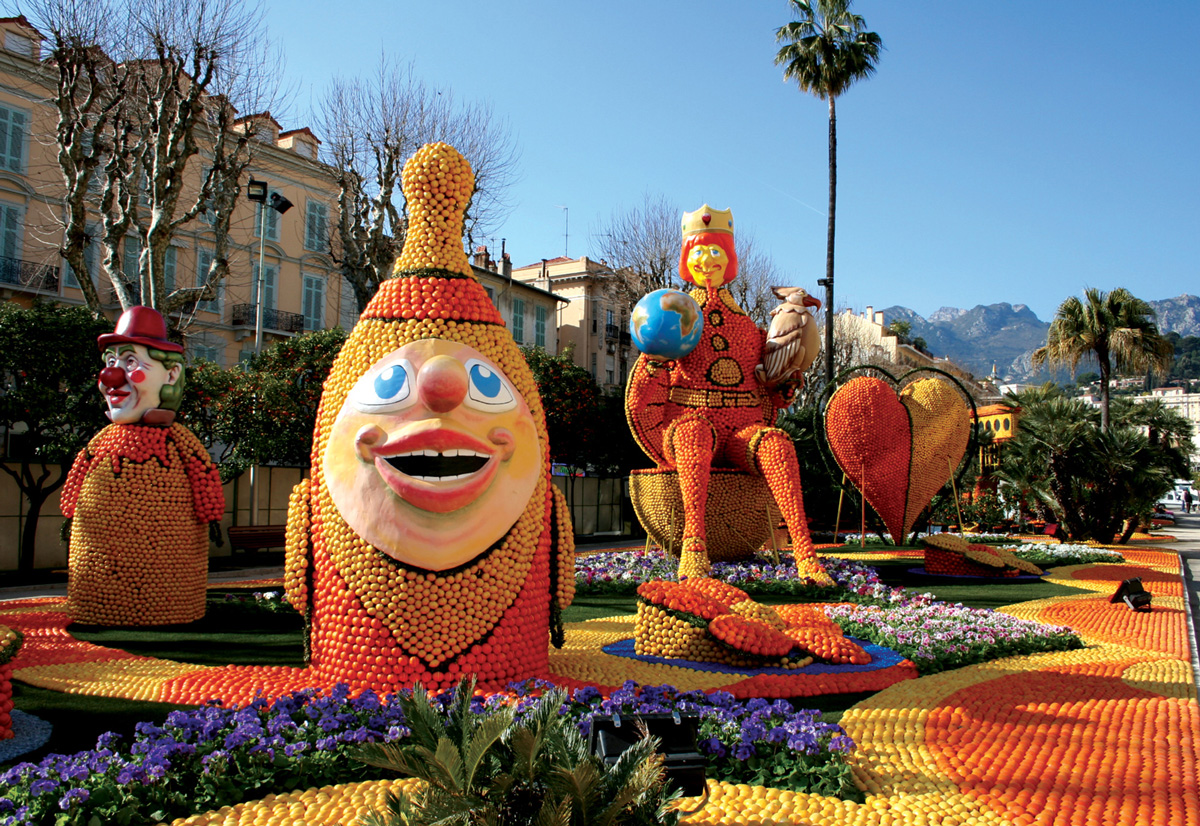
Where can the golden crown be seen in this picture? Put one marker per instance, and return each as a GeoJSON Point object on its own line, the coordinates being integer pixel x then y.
{"type": "Point", "coordinates": [707, 219]}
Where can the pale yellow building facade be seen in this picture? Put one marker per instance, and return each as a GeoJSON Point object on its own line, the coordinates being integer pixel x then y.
{"type": "Point", "coordinates": [592, 322]}
{"type": "Point", "coordinates": [303, 289]}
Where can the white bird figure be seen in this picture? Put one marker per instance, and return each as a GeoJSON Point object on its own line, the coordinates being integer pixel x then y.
{"type": "Point", "coordinates": [792, 339]}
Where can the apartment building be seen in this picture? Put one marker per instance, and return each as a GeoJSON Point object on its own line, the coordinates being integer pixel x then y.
{"type": "Point", "coordinates": [591, 321]}
{"type": "Point", "coordinates": [529, 311]}
{"type": "Point", "coordinates": [302, 290]}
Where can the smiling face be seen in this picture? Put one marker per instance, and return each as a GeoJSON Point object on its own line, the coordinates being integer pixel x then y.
{"type": "Point", "coordinates": [707, 263]}
{"type": "Point", "coordinates": [708, 259]}
{"type": "Point", "coordinates": [132, 382]}
{"type": "Point", "coordinates": [433, 455]}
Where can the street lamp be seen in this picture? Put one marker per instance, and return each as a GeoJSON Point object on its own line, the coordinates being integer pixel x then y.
{"type": "Point", "coordinates": [257, 191]}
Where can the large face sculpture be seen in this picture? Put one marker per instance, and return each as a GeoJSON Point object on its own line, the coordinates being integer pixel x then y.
{"type": "Point", "coordinates": [433, 455]}
{"type": "Point", "coordinates": [132, 382]}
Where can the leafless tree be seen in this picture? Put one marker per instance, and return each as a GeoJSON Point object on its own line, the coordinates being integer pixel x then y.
{"type": "Point", "coordinates": [641, 245]}
{"type": "Point", "coordinates": [757, 273]}
{"type": "Point", "coordinates": [371, 126]}
{"type": "Point", "coordinates": [147, 91]}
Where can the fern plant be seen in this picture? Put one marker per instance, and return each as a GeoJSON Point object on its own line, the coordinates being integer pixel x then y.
{"type": "Point", "coordinates": [493, 768]}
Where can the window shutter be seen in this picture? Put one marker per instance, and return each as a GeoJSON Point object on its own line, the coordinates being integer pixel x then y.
{"type": "Point", "coordinates": [314, 302]}
{"type": "Point", "coordinates": [204, 260]}
{"type": "Point", "coordinates": [12, 139]}
{"type": "Point", "coordinates": [10, 231]}
{"type": "Point", "coordinates": [316, 226]}
{"type": "Point", "coordinates": [169, 270]}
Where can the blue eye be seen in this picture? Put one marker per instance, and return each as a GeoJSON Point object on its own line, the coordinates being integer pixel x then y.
{"type": "Point", "coordinates": [384, 390]}
{"type": "Point", "coordinates": [391, 383]}
{"type": "Point", "coordinates": [487, 389]}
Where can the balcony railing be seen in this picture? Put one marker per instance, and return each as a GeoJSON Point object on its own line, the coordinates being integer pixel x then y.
{"type": "Point", "coordinates": [612, 331]}
{"type": "Point", "coordinates": [243, 314]}
{"type": "Point", "coordinates": [28, 274]}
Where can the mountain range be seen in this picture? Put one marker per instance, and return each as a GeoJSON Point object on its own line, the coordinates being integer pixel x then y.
{"type": "Point", "coordinates": [1005, 335]}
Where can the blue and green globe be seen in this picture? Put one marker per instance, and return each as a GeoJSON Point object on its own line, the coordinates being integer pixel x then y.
{"type": "Point", "coordinates": [666, 323]}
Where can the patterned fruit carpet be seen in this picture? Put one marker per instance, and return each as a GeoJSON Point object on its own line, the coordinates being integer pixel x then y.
{"type": "Point", "coordinates": [1103, 735]}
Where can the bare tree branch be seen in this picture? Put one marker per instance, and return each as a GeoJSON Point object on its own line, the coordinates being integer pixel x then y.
{"type": "Point", "coordinates": [371, 127]}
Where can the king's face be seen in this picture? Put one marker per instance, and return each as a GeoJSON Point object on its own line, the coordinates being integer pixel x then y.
{"type": "Point", "coordinates": [433, 456]}
{"type": "Point", "coordinates": [706, 263]}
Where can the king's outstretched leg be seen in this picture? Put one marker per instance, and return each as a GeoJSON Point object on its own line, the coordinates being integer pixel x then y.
{"type": "Point", "coordinates": [769, 452]}
{"type": "Point", "coordinates": [690, 442]}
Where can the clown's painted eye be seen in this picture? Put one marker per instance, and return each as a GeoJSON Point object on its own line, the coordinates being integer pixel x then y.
{"type": "Point", "coordinates": [487, 389]}
{"type": "Point", "coordinates": [384, 390]}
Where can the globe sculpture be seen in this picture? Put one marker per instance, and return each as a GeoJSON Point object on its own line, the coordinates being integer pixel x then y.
{"type": "Point", "coordinates": [667, 324]}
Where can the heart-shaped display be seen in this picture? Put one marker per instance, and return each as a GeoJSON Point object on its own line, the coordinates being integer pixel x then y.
{"type": "Point", "coordinates": [898, 450]}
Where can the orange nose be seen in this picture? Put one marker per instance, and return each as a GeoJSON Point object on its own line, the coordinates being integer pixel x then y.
{"type": "Point", "coordinates": [443, 383]}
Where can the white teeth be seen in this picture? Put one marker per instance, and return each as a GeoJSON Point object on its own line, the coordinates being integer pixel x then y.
{"type": "Point", "coordinates": [443, 478]}
{"type": "Point", "coordinates": [444, 454]}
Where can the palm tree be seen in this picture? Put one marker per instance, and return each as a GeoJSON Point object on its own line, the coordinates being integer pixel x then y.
{"type": "Point", "coordinates": [1115, 328]}
{"type": "Point", "coordinates": [825, 52]}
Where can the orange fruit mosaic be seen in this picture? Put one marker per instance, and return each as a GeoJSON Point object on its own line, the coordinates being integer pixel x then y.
{"type": "Point", "coordinates": [1102, 735]}
{"type": "Point", "coordinates": [140, 498]}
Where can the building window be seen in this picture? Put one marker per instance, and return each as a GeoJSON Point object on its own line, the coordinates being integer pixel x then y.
{"type": "Point", "coordinates": [348, 311]}
{"type": "Point", "coordinates": [491, 293]}
{"type": "Point", "coordinates": [89, 261]}
{"type": "Point", "coordinates": [270, 274]}
{"type": "Point", "coordinates": [611, 319]}
{"type": "Point", "coordinates": [595, 321]}
{"type": "Point", "coordinates": [593, 369]}
{"type": "Point", "coordinates": [10, 234]}
{"type": "Point", "coordinates": [271, 230]}
{"type": "Point", "coordinates": [610, 369]}
{"type": "Point", "coordinates": [539, 327]}
{"type": "Point", "coordinates": [314, 303]}
{"type": "Point", "coordinates": [204, 262]}
{"type": "Point", "coordinates": [169, 270]}
{"type": "Point", "coordinates": [203, 351]}
{"type": "Point", "coordinates": [518, 320]}
{"type": "Point", "coordinates": [316, 226]}
{"type": "Point", "coordinates": [13, 123]}
{"type": "Point", "coordinates": [18, 44]}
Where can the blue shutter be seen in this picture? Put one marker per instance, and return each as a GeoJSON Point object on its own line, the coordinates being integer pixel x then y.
{"type": "Point", "coordinates": [314, 302]}
{"type": "Point", "coordinates": [12, 139]}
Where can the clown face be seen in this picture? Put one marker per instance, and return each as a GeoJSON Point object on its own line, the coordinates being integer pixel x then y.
{"type": "Point", "coordinates": [132, 382]}
{"type": "Point", "coordinates": [433, 455]}
{"type": "Point", "coordinates": [706, 264]}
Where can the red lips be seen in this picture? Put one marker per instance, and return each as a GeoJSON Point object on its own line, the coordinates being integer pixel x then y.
{"type": "Point", "coordinates": [437, 496]}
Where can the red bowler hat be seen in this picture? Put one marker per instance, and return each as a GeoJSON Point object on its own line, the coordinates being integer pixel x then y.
{"type": "Point", "coordinates": [141, 325]}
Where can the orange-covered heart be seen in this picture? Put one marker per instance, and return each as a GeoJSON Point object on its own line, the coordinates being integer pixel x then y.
{"type": "Point", "coordinates": [898, 450]}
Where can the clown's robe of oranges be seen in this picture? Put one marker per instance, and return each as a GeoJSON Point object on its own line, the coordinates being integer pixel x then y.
{"type": "Point", "coordinates": [429, 543]}
{"type": "Point", "coordinates": [140, 498]}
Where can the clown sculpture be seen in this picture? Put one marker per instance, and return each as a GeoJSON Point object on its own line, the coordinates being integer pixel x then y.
{"type": "Point", "coordinates": [141, 495]}
{"type": "Point", "coordinates": [714, 407]}
{"type": "Point", "coordinates": [429, 543]}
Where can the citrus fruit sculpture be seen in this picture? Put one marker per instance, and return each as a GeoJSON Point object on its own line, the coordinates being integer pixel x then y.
{"type": "Point", "coordinates": [141, 495]}
{"type": "Point", "coordinates": [708, 409]}
{"type": "Point", "coordinates": [706, 620]}
{"type": "Point", "coordinates": [429, 542]}
{"type": "Point", "coordinates": [898, 449]}
{"type": "Point", "coordinates": [950, 555]}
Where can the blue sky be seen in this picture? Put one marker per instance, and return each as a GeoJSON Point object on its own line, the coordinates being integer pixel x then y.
{"type": "Point", "coordinates": [1015, 152]}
